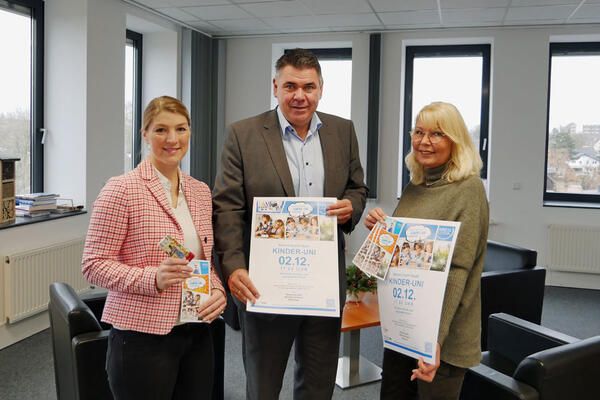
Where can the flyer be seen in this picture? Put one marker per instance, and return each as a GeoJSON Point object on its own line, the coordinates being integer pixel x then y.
{"type": "Point", "coordinates": [377, 252]}
{"type": "Point", "coordinates": [294, 257]}
{"type": "Point", "coordinates": [412, 294]}
{"type": "Point", "coordinates": [195, 291]}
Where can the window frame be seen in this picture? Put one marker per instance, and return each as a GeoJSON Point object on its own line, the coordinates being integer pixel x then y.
{"type": "Point", "coordinates": [328, 53]}
{"type": "Point", "coordinates": [450, 50]}
{"type": "Point", "coordinates": [36, 131]}
{"type": "Point", "coordinates": [136, 39]}
{"type": "Point", "coordinates": [554, 199]}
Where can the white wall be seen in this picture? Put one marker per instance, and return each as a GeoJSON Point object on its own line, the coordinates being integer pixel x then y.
{"type": "Point", "coordinates": [160, 58]}
{"type": "Point", "coordinates": [84, 114]}
{"type": "Point", "coordinates": [65, 97]}
{"type": "Point", "coordinates": [517, 134]}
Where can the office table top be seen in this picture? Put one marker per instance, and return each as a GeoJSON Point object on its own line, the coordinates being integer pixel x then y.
{"type": "Point", "coordinates": [364, 314]}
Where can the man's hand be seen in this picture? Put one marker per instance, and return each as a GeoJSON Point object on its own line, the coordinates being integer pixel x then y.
{"type": "Point", "coordinates": [172, 271]}
{"type": "Point", "coordinates": [374, 216]}
{"type": "Point", "coordinates": [214, 306]}
{"type": "Point", "coordinates": [426, 372]}
{"type": "Point", "coordinates": [342, 209]}
{"type": "Point", "coordinates": [242, 287]}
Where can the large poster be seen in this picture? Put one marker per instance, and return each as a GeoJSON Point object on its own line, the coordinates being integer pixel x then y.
{"type": "Point", "coordinates": [411, 257]}
{"type": "Point", "coordinates": [293, 257]}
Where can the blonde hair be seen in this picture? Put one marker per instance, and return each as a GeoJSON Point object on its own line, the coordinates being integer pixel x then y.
{"type": "Point", "coordinates": [160, 104]}
{"type": "Point", "coordinates": [464, 157]}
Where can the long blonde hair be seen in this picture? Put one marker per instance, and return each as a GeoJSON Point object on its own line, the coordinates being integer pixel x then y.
{"type": "Point", "coordinates": [464, 157]}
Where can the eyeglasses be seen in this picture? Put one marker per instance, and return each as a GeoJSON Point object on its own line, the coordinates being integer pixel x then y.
{"type": "Point", "coordinates": [434, 137]}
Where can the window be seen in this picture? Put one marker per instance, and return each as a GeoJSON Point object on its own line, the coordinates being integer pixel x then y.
{"type": "Point", "coordinates": [21, 97]}
{"type": "Point", "coordinates": [133, 99]}
{"type": "Point", "coordinates": [457, 74]}
{"type": "Point", "coordinates": [336, 68]}
{"type": "Point", "coordinates": [573, 141]}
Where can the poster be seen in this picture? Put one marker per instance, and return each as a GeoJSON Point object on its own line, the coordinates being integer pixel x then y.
{"type": "Point", "coordinates": [413, 271]}
{"type": "Point", "coordinates": [294, 257]}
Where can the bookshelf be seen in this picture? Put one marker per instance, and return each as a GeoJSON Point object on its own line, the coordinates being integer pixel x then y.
{"type": "Point", "coordinates": [7, 194]}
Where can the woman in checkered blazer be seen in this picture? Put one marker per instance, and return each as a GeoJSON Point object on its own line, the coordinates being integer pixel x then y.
{"type": "Point", "coordinates": [152, 354]}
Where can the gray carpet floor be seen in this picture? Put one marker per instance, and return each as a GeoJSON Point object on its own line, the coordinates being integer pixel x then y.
{"type": "Point", "coordinates": [27, 372]}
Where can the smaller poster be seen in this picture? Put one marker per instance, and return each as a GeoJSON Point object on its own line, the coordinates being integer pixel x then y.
{"type": "Point", "coordinates": [416, 269]}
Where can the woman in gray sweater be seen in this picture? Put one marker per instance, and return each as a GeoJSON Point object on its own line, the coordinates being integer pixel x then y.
{"type": "Point", "coordinates": [444, 167]}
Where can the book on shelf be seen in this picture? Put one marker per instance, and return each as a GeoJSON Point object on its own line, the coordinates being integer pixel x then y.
{"type": "Point", "coordinates": [35, 202]}
{"type": "Point", "coordinates": [38, 196]}
{"type": "Point", "coordinates": [40, 204]}
{"type": "Point", "coordinates": [35, 207]}
{"type": "Point", "coordinates": [34, 214]}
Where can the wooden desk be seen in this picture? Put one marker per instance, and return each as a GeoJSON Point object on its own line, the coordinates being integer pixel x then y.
{"type": "Point", "coordinates": [353, 369]}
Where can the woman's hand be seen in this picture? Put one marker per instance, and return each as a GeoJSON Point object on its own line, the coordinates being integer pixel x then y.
{"type": "Point", "coordinates": [424, 371]}
{"type": "Point", "coordinates": [374, 216]}
{"type": "Point", "coordinates": [172, 271]}
{"type": "Point", "coordinates": [213, 307]}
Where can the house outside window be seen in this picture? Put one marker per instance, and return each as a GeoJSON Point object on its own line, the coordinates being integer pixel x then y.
{"type": "Point", "coordinates": [573, 126]}
{"type": "Point", "coordinates": [21, 97]}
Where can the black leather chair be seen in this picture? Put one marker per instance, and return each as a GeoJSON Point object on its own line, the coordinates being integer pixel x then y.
{"type": "Point", "coordinates": [511, 283]}
{"type": "Point", "coordinates": [79, 346]}
{"type": "Point", "coordinates": [529, 362]}
{"type": "Point", "coordinates": [79, 343]}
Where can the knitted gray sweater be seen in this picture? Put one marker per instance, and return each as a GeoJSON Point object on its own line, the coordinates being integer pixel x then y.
{"type": "Point", "coordinates": [464, 201]}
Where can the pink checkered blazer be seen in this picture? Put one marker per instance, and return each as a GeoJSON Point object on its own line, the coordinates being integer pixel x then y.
{"type": "Point", "coordinates": [130, 216]}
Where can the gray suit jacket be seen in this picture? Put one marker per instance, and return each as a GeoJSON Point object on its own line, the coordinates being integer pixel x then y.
{"type": "Point", "coordinates": [253, 163]}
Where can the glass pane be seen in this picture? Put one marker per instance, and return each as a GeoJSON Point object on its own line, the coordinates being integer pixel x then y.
{"type": "Point", "coordinates": [574, 125]}
{"type": "Point", "coordinates": [15, 95]}
{"type": "Point", "coordinates": [459, 84]}
{"type": "Point", "coordinates": [129, 104]}
{"type": "Point", "coordinates": [337, 87]}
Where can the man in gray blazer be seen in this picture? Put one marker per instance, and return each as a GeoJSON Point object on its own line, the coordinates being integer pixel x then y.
{"type": "Point", "coordinates": [290, 151]}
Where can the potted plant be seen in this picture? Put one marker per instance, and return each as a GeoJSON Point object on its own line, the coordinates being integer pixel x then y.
{"type": "Point", "coordinates": [358, 283]}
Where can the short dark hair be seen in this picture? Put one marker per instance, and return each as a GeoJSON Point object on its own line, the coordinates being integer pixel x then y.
{"type": "Point", "coordinates": [300, 59]}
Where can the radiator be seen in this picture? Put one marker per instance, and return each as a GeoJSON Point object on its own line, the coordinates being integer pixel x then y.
{"type": "Point", "coordinates": [574, 248]}
{"type": "Point", "coordinates": [28, 275]}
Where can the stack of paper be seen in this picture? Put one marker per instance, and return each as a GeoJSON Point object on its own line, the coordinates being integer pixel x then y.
{"type": "Point", "coordinates": [35, 204]}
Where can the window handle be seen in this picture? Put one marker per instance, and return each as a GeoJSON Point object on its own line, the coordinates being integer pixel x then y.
{"type": "Point", "coordinates": [483, 147]}
{"type": "Point", "coordinates": [44, 133]}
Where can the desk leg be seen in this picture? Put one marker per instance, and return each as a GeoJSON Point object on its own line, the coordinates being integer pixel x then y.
{"type": "Point", "coordinates": [353, 369]}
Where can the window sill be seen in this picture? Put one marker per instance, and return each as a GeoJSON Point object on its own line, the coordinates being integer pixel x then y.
{"type": "Point", "coordinates": [570, 204]}
{"type": "Point", "coordinates": [21, 221]}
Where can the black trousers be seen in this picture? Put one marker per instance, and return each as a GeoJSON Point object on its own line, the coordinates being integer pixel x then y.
{"type": "Point", "coordinates": [396, 383]}
{"type": "Point", "coordinates": [178, 365]}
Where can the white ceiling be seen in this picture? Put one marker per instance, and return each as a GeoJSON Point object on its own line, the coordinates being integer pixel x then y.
{"type": "Point", "coordinates": [251, 17]}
